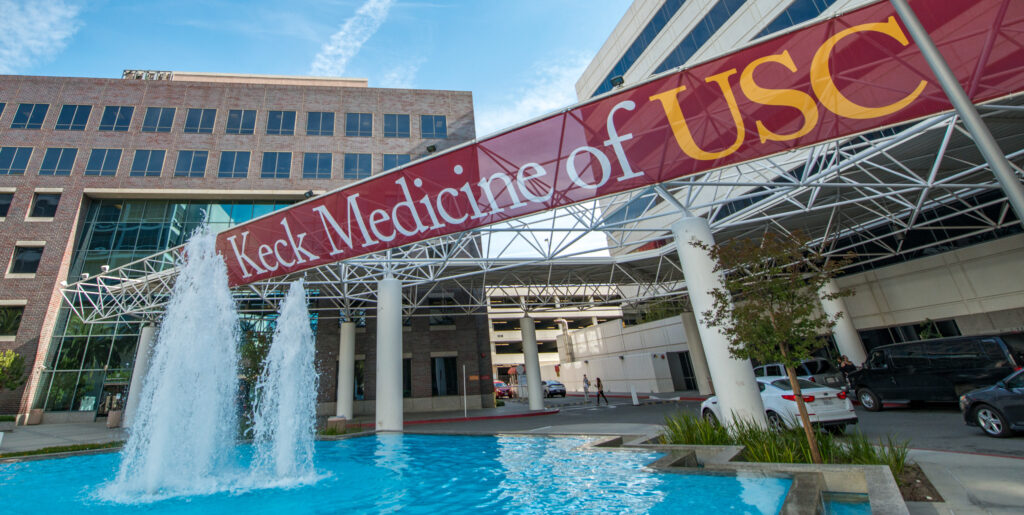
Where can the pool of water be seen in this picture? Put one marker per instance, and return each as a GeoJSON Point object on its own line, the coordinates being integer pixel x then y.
{"type": "Point", "coordinates": [417, 474]}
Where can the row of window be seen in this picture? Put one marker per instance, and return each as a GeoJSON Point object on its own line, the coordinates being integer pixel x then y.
{"type": "Point", "coordinates": [44, 205]}
{"type": "Point", "coordinates": [240, 121]}
{"type": "Point", "coordinates": [192, 163]}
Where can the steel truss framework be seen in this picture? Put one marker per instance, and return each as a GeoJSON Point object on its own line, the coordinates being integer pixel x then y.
{"type": "Point", "coordinates": [867, 192]}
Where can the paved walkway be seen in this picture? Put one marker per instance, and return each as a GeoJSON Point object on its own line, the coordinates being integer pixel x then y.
{"type": "Point", "coordinates": [971, 483]}
{"type": "Point", "coordinates": [29, 438]}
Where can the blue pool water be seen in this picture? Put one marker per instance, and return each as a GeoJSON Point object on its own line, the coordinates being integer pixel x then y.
{"type": "Point", "coordinates": [419, 474]}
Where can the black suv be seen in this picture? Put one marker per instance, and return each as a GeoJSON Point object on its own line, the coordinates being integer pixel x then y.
{"type": "Point", "coordinates": [933, 370]}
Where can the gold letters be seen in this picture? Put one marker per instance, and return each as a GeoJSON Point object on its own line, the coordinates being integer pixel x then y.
{"type": "Point", "coordinates": [779, 97]}
{"type": "Point", "coordinates": [684, 137]}
{"type": "Point", "coordinates": [826, 90]}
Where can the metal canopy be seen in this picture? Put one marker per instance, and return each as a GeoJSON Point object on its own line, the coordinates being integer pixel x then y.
{"type": "Point", "coordinates": [870, 191]}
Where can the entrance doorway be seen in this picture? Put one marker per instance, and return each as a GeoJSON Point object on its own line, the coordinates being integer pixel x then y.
{"type": "Point", "coordinates": [682, 371]}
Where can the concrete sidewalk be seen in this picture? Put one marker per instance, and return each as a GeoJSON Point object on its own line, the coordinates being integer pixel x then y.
{"type": "Point", "coordinates": [30, 438]}
{"type": "Point", "coordinates": [971, 483]}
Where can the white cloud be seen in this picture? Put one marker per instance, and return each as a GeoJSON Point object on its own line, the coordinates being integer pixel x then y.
{"type": "Point", "coordinates": [552, 86]}
{"type": "Point", "coordinates": [33, 31]}
{"type": "Point", "coordinates": [401, 76]}
{"type": "Point", "coordinates": [345, 44]}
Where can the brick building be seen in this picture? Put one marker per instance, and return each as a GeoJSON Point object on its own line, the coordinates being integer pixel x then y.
{"type": "Point", "coordinates": [100, 172]}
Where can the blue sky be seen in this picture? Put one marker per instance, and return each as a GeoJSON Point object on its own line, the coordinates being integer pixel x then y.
{"type": "Point", "coordinates": [520, 59]}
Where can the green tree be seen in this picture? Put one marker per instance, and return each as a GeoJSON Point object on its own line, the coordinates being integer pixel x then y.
{"type": "Point", "coordinates": [769, 309]}
{"type": "Point", "coordinates": [12, 370]}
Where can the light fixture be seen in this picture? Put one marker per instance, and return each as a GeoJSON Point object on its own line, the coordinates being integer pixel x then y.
{"type": "Point", "coordinates": [84, 276]}
{"type": "Point", "coordinates": [617, 81]}
{"type": "Point", "coordinates": [431, 148]}
{"type": "Point", "coordinates": [105, 268]}
{"type": "Point", "coordinates": [308, 194]}
{"type": "Point", "coordinates": [622, 358]}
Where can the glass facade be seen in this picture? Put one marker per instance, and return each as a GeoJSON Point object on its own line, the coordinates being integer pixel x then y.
{"type": "Point", "coordinates": [88, 366]}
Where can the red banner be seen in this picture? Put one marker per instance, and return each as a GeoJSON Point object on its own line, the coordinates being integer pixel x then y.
{"type": "Point", "coordinates": [837, 78]}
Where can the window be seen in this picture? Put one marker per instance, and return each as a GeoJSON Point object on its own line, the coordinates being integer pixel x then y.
{"type": "Point", "coordinates": [434, 126]}
{"type": "Point", "coordinates": [281, 122]}
{"type": "Point", "coordinates": [241, 121]}
{"type": "Point", "coordinates": [14, 160]}
{"type": "Point", "coordinates": [439, 314]}
{"type": "Point", "coordinates": [5, 203]}
{"type": "Point", "coordinates": [58, 161]}
{"type": "Point", "coordinates": [646, 36]}
{"type": "Point", "coordinates": [798, 12]}
{"type": "Point", "coordinates": [10, 320]}
{"type": "Point", "coordinates": [445, 377]}
{"type": "Point", "coordinates": [191, 163]}
{"type": "Point", "coordinates": [25, 260]}
{"type": "Point", "coordinates": [319, 124]}
{"type": "Point", "coordinates": [200, 121]}
{"type": "Point", "coordinates": [317, 165]}
{"type": "Point", "coordinates": [2, 106]}
{"type": "Point", "coordinates": [29, 116]}
{"type": "Point", "coordinates": [116, 118]}
{"type": "Point", "coordinates": [396, 126]}
{"type": "Point", "coordinates": [277, 165]}
{"type": "Point", "coordinates": [158, 119]}
{"type": "Point", "coordinates": [44, 205]}
{"type": "Point", "coordinates": [73, 118]}
{"type": "Point", "coordinates": [147, 163]}
{"type": "Point", "coordinates": [357, 166]}
{"type": "Point", "coordinates": [233, 165]}
{"type": "Point", "coordinates": [407, 377]}
{"type": "Point", "coordinates": [701, 33]}
{"type": "Point", "coordinates": [395, 160]}
{"type": "Point", "coordinates": [358, 125]}
{"type": "Point", "coordinates": [103, 161]}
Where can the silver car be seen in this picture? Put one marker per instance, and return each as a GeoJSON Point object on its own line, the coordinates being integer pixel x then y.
{"type": "Point", "coordinates": [817, 370]}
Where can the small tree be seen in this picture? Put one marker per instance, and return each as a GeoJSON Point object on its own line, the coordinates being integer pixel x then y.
{"type": "Point", "coordinates": [769, 309]}
{"type": "Point", "coordinates": [12, 370]}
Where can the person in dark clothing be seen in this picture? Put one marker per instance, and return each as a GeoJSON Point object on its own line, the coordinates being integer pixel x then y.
{"type": "Point", "coordinates": [846, 367]}
{"type": "Point", "coordinates": [600, 392]}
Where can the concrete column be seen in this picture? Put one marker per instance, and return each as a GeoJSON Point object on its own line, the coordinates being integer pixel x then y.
{"type": "Point", "coordinates": [346, 370]}
{"type": "Point", "coordinates": [847, 337]}
{"type": "Point", "coordinates": [738, 395]}
{"type": "Point", "coordinates": [389, 355]}
{"type": "Point", "coordinates": [697, 357]}
{"type": "Point", "coordinates": [139, 371]}
{"type": "Point", "coordinates": [532, 364]}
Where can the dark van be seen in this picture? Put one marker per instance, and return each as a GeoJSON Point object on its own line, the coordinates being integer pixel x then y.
{"type": "Point", "coordinates": [933, 370]}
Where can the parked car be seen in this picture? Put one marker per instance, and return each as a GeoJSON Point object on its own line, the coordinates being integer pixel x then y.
{"type": "Point", "coordinates": [998, 409]}
{"type": "Point", "coordinates": [827, 407]}
{"type": "Point", "coordinates": [817, 370]}
{"type": "Point", "coordinates": [932, 370]}
{"type": "Point", "coordinates": [502, 390]}
{"type": "Point", "coordinates": [553, 388]}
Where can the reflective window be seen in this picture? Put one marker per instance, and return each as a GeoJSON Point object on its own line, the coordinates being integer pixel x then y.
{"type": "Point", "coordinates": [73, 118]}
{"type": "Point", "coordinates": [44, 205]}
{"type": "Point", "coordinates": [116, 118]}
{"type": "Point", "coordinates": [158, 119]}
{"type": "Point", "coordinates": [276, 165]}
{"type": "Point", "coordinates": [29, 116]}
{"type": "Point", "coordinates": [316, 165]}
{"type": "Point", "coordinates": [359, 125]}
{"type": "Point", "coordinates": [233, 165]}
{"type": "Point", "coordinates": [281, 122]}
{"type": "Point", "coordinates": [191, 163]}
{"type": "Point", "coordinates": [200, 121]}
{"type": "Point", "coordinates": [241, 121]}
{"type": "Point", "coordinates": [25, 260]}
{"type": "Point", "coordinates": [58, 161]}
{"type": "Point", "coordinates": [395, 160]}
{"type": "Point", "coordinates": [319, 124]}
{"type": "Point", "coordinates": [434, 126]}
{"type": "Point", "coordinates": [797, 12]}
{"type": "Point", "coordinates": [642, 41]}
{"type": "Point", "coordinates": [103, 161]}
{"type": "Point", "coordinates": [14, 160]}
{"type": "Point", "coordinates": [147, 163]}
{"type": "Point", "coordinates": [10, 319]}
{"type": "Point", "coordinates": [5, 203]}
{"type": "Point", "coordinates": [700, 34]}
{"type": "Point", "coordinates": [357, 166]}
{"type": "Point", "coordinates": [396, 126]}
{"type": "Point", "coordinates": [2, 106]}
{"type": "Point", "coordinates": [445, 376]}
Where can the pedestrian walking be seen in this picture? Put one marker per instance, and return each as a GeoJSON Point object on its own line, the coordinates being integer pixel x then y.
{"type": "Point", "coordinates": [600, 393]}
{"type": "Point", "coordinates": [586, 389]}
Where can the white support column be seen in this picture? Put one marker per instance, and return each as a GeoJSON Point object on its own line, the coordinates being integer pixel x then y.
{"type": "Point", "coordinates": [389, 355]}
{"type": "Point", "coordinates": [346, 370]}
{"type": "Point", "coordinates": [139, 371]}
{"type": "Point", "coordinates": [847, 337]}
{"type": "Point", "coordinates": [532, 364]}
{"type": "Point", "coordinates": [738, 395]}
{"type": "Point", "coordinates": [697, 358]}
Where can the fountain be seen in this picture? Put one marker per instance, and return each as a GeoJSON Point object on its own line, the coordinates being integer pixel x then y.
{"type": "Point", "coordinates": [285, 420]}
